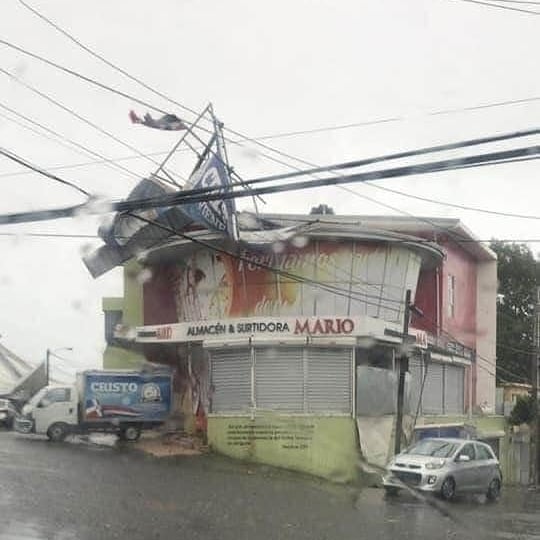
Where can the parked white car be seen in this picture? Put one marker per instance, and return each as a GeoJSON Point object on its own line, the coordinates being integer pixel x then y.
{"type": "Point", "coordinates": [446, 467]}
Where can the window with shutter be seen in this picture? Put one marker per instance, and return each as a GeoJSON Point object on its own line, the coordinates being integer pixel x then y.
{"type": "Point", "coordinates": [279, 379]}
{"type": "Point", "coordinates": [329, 380]}
{"type": "Point", "coordinates": [231, 379]}
{"type": "Point", "coordinates": [454, 389]}
{"type": "Point", "coordinates": [432, 399]}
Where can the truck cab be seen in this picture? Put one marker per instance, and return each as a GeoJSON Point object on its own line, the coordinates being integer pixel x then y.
{"type": "Point", "coordinates": [52, 411]}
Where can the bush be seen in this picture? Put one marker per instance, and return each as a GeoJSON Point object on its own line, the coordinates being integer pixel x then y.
{"type": "Point", "coordinates": [523, 412]}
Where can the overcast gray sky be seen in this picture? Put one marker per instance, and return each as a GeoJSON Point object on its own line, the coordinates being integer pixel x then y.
{"type": "Point", "coordinates": [268, 67]}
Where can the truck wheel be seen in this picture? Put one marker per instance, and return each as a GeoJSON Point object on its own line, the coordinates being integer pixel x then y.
{"type": "Point", "coordinates": [130, 433]}
{"type": "Point", "coordinates": [57, 432]}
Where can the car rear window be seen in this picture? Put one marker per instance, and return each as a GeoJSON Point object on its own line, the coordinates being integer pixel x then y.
{"type": "Point", "coordinates": [430, 447]}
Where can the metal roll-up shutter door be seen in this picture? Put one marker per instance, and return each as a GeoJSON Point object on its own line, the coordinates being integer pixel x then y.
{"type": "Point", "coordinates": [231, 378]}
{"type": "Point", "coordinates": [415, 384]}
{"type": "Point", "coordinates": [432, 398]}
{"type": "Point", "coordinates": [329, 380]}
{"type": "Point", "coordinates": [279, 379]}
{"type": "Point", "coordinates": [454, 389]}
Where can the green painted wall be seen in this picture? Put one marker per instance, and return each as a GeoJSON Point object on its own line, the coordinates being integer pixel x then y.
{"type": "Point", "coordinates": [133, 295]}
{"type": "Point", "coordinates": [131, 306]}
{"type": "Point", "coordinates": [322, 446]}
{"type": "Point", "coordinates": [118, 358]}
{"type": "Point", "coordinates": [112, 303]}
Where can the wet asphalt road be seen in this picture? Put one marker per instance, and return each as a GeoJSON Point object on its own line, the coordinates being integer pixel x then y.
{"type": "Point", "coordinates": [77, 490]}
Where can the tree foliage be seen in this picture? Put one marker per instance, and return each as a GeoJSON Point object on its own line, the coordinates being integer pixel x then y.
{"type": "Point", "coordinates": [523, 411]}
{"type": "Point", "coordinates": [519, 275]}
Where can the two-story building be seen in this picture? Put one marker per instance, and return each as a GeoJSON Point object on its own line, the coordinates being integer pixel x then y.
{"type": "Point", "coordinates": [288, 353]}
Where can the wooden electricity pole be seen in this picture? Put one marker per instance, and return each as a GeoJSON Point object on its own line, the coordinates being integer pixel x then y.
{"type": "Point", "coordinates": [534, 454]}
{"type": "Point", "coordinates": [403, 369]}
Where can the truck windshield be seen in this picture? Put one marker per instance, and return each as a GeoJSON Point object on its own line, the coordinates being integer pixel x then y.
{"type": "Point", "coordinates": [36, 398]}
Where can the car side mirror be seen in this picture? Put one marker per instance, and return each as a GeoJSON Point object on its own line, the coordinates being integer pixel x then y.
{"type": "Point", "coordinates": [463, 458]}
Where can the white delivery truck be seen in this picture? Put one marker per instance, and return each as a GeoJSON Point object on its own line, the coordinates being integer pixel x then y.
{"type": "Point", "coordinates": [122, 402]}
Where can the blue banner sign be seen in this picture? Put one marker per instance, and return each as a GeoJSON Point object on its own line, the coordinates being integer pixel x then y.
{"type": "Point", "coordinates": [136, 397]}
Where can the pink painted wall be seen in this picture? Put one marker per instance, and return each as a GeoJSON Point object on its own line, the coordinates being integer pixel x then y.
{"type": "Point", "coordinates": [463, 324]}
{"type": "Point", "coordinates": [426, 301]}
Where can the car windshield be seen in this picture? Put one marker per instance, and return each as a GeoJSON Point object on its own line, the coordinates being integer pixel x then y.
{"type": "Point", "coordinates": [433, 448]}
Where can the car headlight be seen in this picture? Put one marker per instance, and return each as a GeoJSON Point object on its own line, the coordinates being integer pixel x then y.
{"type": "Point", "coordinates": [438, 464]}
{"type": "Point", "coordinates": [3, 415]}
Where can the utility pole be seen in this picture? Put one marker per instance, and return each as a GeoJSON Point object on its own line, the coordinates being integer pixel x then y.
{"type": "Point", "coordinates": [47, 365]}
{"type": "Point", "coordinates": [403, 369]}
{"type": "Point", "coordinates": [534, 454]}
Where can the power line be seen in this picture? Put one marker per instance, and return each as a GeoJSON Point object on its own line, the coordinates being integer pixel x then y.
{"type": "Point", "coordinates": [27, 164]}
{"type": "Point", "coordinates": [534, 3]}
{"type": "Point", "coordinates": [399, 155]}
{"type": "Point", "coordinates": [243, 138]}
{"type": "Point", "coordinates": [439, 328]}
{"type": "Point", "coordinates": [105, 160]}
{"type": "Point", "coordinates": [455, 205]}
{"type": "Point", "coordinates": [36, 132]}
{"type": "Point", "coordinates": [514, 349]}
{"type": "Point", "coordinates": [146, 86]}
{"type": "Point", "coordinates": [70, 147]}
{"type": "Point", "coordinates": [67, 70]}
{"type": "Point", "coordinates": [485, 106]}
{"type": "Point", "coordinates": [439, 148]}
{"type": "Point", "coordinates": [480, 2]}
{"type": "Point", "coordinates": [139, 81]}
{"type": "Point", "coordinates": [72, 165]}
{"type": "Point", "coordinates": [82, 119]}
{"type": "Point", "coordinates": [397, 241]}
{"type": "Point", "coordinates": [207, 194]}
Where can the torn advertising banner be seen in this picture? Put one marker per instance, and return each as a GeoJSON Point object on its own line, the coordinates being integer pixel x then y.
{"type": "Point", "coordinates": [216, 215]}
{"type": "Point", "coordinates": [130, 233]}
{"type": "Point", "coordinates": [168, 122]}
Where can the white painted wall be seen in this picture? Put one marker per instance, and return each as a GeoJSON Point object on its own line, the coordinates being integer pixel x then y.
{"type": "Point", "coordinates": [486, 330]}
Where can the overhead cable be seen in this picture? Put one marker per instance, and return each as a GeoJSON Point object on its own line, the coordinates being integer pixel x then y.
{"type": "Point", "coordinates": [109, 162]}
{"type": "Point", "coordinates": [491, 4]}
{"type": "Point", "coordinates": [401, 155]}
{"type": "Point", "coordinates": [206, 194]}
{"type": "Point", "coordinates": [243, 138]}
{"type": "Point", "coordinates": [13, 157]}
{"type": "Point", "coordinates": [86, 121]}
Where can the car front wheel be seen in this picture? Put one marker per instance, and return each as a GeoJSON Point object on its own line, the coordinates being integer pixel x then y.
{"type": "Point", "coordinates": [448, 489]}
{"type": "Point", "coordinates": [494, 490]}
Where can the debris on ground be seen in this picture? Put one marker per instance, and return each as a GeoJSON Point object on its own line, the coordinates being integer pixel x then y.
{"type": "Point", "coordinates": [172, 444]}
